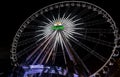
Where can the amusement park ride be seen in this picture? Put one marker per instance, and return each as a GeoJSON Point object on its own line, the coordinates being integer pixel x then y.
{"type": "Point", "coordinates": [65, 39]}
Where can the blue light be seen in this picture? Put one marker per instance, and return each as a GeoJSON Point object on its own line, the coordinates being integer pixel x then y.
{"type": "Point", "coordinates": [35, 69]}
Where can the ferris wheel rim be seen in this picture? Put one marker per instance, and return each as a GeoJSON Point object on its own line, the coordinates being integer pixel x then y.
{"type": "Point", "coordinates": [17, 35]}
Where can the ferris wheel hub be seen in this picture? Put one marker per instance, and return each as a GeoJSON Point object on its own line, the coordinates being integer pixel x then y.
{"type": "Point", "coordinates": [57, 26]}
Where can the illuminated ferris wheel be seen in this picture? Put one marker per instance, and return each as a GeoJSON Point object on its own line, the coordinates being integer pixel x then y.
{"type": "Point", "coordinates": [66, 39]}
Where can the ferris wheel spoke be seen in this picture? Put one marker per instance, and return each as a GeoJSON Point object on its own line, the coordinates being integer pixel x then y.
{"type": "Point", "coordinates": [60, 41]}
{"type": "Point", "coordinates": [56, 40]}
{"type": "Point", "coordinates": [26, 50]}
{"type": "Point", "coordinates": [53, 50]}
{"type": "Point", "coordinates": [46, 54]}
{"type": "Point", "coordinates": [30, 47]}
{"type": "Point", "coordinates": [41, 27]}
{"type": "Point", "coordinates": [26, 41]}
{"type": "Point", "coordinates": [32, 58]}
{"type": "Point", "coordinates": [76, 20]}
{"type": "Point", "coordinates": [45, 23]}
{"type": "Point", "coordinates": [50, 54]}
{"type": "Point", "coordinates": [54, 54]}
{"type": "Point", "coordinates": [92, 23]}
{"type": "Point", "coordinates": [63, 17]}
{"type": "Point", "coordinates": [97, 55]}
{"type": "Point", "coordinates": [83, 12]}
{"type": "Point", "coordinates": [69, 35]}
{"type": "Point", "coordinates": [32, 27]}
{"type": "Point", "coordinates": [63, 50]}
{"type": "Point", "coordinates": [53, 17]}
{"type": "Point", "coordinates": [88, 49]}
{"type": "Point", "coordinates": [78, 57]}
{"type": "Point", "coordinates": [69, 52]}
{"type": "Point", "coordinates": [49, 40]}
{"type": "Point", "coordinates": [31, 34]}
{"type": "Point", "coordinates": [68, 13]}
{"type": "Point", "coordinates": [65, 13]}
{"type": "Point", "coordinates": [40, 54]}
{"type": "Point", "coordinates": [89, 16]}
{"type": "Point", "coordinates": [80, 24]}
{"type": "Point", "coordinates": [59, 13]}
{"type": "Point", "coordinates": [39, 30]}
{"type": "Point", "coordinates": [49, 20]}
{"type": "Point", "coordinates": [95, 40]}
{"type": "Point", "coordinates": [72, 14]}
{"type": "Point", "coordinates": [73, 17]}
{"type": "Point", "coordinates": [95, 30]}
{"type": "Point", "coordinates": [74, 28]}
{"type": "Point", "coordinates": [86, 57]}
{"type": "Point", "coordinates": [35, 27]}
{"type": "Point", "coordinates": [40, 22]}
{"type": "Point", "coordinates": [76, 33]}
{"type": "Point", "coordinates": [42, 51]}
{"type": "Point", "coordinates": [100, 57]}
{"type": "Point", "coordinates": [75, 11]}
{"type": "Point", "coordinates": [48, 37]}
{"type": "Point", "coordinates": [68, 16]}
{"type": "Point", "coordinates": [40, 45]}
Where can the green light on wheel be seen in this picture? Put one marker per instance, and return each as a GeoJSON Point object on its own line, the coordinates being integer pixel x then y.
{"type": "Point", "coordinates": [57, 26]}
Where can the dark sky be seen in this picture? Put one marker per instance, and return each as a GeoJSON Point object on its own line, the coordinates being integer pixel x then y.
{"type": "Point", "coordinates": [14, 13]}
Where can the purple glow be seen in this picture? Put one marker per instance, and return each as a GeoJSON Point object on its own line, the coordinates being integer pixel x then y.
{"type": "Point", "coordinates": [34, 69]}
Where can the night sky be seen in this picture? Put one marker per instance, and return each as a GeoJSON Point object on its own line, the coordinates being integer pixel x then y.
{"type": "Point", "coordinates": [14, 13]}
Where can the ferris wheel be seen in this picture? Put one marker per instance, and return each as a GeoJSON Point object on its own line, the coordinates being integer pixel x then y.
{"type": "Point", "coordinates": [66, 39]}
